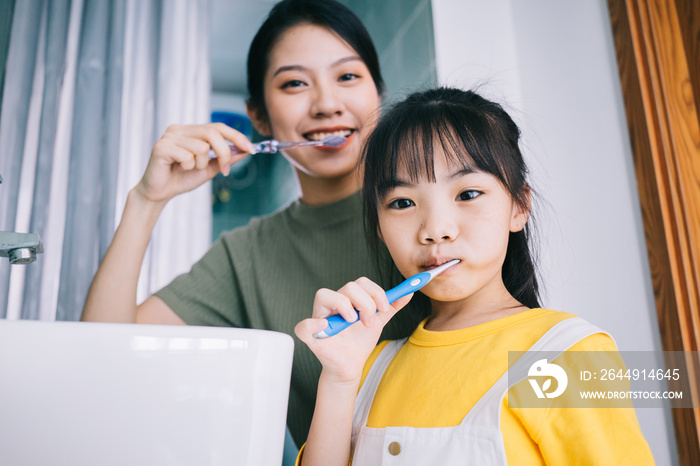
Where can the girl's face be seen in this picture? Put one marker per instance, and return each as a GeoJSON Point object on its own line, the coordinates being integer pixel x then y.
{"type": "Point", "coordinates": [316, 85]}
{"type": "Point", "coordinates": [464, 215]}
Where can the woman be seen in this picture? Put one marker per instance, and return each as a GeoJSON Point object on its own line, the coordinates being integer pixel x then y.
{"type": "Point", "coordinates": [312, 71]}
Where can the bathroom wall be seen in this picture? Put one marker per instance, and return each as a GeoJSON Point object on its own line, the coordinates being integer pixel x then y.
{"type": "Point", "coordinates": [554, 65]}
{"type": "Point", "coordinates": [402, 31]}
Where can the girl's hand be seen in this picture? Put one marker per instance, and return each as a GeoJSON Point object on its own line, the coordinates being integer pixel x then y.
{"type": "Point", "coordinates": [343, 356]}
{"type": "Point", "coordinates": [180, 159]}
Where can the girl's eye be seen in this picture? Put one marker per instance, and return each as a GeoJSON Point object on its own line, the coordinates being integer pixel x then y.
{"type": "Point", "coordinates": [348, 77]}
{"type": "Point", "coordinates": [292, 83]}
{"type": "Point", "coordinates": [402, 203]}
{"type": "Point", "coordinates": [469, 194]}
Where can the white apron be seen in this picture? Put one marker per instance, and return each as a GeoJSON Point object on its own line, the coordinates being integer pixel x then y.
{"type": "Point", "coordinates": [477, 440]}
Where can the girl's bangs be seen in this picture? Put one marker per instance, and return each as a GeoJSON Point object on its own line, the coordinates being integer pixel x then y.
{"type": "Point", "coordinates": [412, 152]}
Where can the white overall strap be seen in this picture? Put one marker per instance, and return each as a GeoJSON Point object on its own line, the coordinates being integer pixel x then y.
{"type": "Point", "coordinates": [556, 340]}
{"type": "Point", "coordinates": [365, 396]}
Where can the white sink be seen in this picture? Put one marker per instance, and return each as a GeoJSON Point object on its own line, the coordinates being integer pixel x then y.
{"type": "Point", "coordinates": [76, 393]}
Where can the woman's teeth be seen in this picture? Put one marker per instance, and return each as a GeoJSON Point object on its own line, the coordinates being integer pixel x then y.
{"type": "Point", "coordinates": [321, 136]}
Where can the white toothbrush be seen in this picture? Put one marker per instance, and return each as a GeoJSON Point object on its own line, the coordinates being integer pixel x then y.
{"type": "Point", "coordinates": [272, 145]}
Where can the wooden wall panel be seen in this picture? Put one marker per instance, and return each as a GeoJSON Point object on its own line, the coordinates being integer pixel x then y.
{"type": "Point", "coordinates": [689, 19]}
{"type": "Point", "coordinates": [657, 48]}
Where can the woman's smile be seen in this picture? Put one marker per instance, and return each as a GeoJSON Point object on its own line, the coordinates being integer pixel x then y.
{"type": "Point", "coordinates": [323, 133]}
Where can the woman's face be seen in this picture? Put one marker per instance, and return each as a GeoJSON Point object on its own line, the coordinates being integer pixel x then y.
{"type": "Point", "coordinates": [316, 85]}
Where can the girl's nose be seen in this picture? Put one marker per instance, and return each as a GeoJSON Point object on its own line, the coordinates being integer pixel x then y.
{"type": "Point", "coordinates": [326, 102]}
{"type": "Point", "coordinates": [437, 227]}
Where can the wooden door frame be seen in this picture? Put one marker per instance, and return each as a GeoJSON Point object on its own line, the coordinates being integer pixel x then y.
{"type": "Point", "coordinates": [656, 46]}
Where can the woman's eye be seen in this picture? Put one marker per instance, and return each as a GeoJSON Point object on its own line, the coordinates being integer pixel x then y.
{"type": "Point", "coordinates": [348, 77]}
{"type": "Point", "coordinates": [401, 204]}
{"type": "Point", "coordinates": [468, 195]}
{"type": "Point", "coordinates": [292, 83]}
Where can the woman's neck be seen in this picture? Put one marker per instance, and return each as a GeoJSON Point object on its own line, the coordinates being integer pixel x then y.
{"type": "Point", "coordinates": [319, 191]}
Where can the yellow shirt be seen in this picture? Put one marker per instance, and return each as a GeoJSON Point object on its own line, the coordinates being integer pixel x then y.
{"type": "Point", "coordinates": [437, 377]}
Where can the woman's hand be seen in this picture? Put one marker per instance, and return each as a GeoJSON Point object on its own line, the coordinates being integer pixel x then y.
{"type": "Point", "coordinates": [180, 159]}
{"type": "Point", "coordinates": [343, 356]}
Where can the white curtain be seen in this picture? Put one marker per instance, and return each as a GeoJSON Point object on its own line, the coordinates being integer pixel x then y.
{"type": "Point", "coordinates": [90, 86]}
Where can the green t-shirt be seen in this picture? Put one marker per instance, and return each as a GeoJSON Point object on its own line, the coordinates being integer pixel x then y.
{"type": "Point", "coordinates": [265, 276]}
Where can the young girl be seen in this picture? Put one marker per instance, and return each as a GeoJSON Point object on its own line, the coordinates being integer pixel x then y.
{"type": "Point", "coordinates": [444, 179]}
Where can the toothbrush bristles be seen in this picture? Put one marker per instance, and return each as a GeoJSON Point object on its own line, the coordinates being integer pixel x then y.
{"type": "Point", "coordinates": [334, 141]}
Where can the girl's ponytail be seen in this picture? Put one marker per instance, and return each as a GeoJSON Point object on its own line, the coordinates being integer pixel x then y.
{"type": "Point", "coordinates": [519, 273]}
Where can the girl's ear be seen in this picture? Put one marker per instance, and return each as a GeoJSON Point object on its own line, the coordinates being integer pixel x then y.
{"type": "Point", "coordinates": [521, 214]}
{"type": "Point", "coordinates": [260, 120]}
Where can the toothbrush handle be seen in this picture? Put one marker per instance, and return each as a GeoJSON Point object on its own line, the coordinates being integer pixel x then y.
{"type": "Point", "coordinates": [234, 150]}
{"type": "Point", "coordinates": [337, 324]}
{"type": "Point", "coordinates": [266, 147]}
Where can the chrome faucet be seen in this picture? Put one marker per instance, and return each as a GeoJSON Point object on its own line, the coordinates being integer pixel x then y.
{"type": "Point", "coordinates": [20, 248]}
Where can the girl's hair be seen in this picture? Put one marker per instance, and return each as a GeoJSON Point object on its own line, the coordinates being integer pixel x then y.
{"type": "Point", "coordinates": [289, 13]}
{"type": "Point", "coordinates": [474, 133]}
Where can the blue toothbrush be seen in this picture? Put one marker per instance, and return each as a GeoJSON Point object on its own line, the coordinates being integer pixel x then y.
{"type": "Point", "coordinates": [337, 324]}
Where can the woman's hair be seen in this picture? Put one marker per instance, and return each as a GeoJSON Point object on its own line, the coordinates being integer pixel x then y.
{"type": "Point", "coordinates": [289, 13]}
{"type": "Point", "coordinates": [474, 133]}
